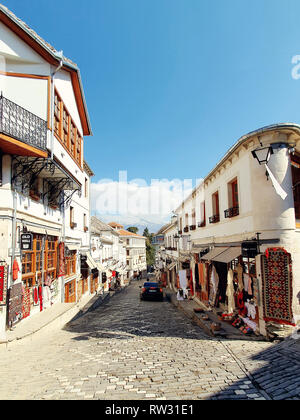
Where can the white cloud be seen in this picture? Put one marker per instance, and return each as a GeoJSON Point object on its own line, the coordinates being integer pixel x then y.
{"type": "Point", "coordinates": [136, 201]}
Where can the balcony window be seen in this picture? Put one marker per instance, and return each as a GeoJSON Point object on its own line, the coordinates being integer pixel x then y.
{"type": "Point", "coordinates": [202, 222]}
{"type": "Point", "coordinates": [233, 199]}
{"type": "Point", "coordinates": [232, 212]}
{"type": "Point", "coordinates": [215, 218]}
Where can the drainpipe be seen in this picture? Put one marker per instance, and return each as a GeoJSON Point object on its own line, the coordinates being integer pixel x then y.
{"type": "Point", "coordinates": [60, 56]}
{"type": "Point", "coordinates": [13, 236]}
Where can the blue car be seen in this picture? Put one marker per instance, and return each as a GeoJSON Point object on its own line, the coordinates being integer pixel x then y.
{"type": "Point", "coordinates": [151, 291]}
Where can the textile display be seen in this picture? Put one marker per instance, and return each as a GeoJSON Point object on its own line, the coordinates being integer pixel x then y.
{"type": "Point", "coordinates": [191, 286]}
{"type": "Point", "coordinates": [277, 286]}
{"type": "Point", "coordinates": [61, 259]}
{"type": "Point", "coordinates": [41, 298]}
{"type": "Point", "coordinates": [47, 297]}
{"type": "Point", "coordinates": [15, 296]}
{"type": "Point", "coordinates": [26, 303]}
{"type": "Point", "coordinates": [230, 292]}
{"type": "Point", "coordinates": [214, 283]}
{"type": "Point", "coordinates": [239, 271]}
{"type": "Point", "coordinates": [182, 279]}
{"type": "Point", "coordinates": [15, 270]}
{"type": "Point", "coordinates": [203, 281]}
{"type": "Point", "coordinates": [3, 283]}
{"type": "Point", "coordinates": [35, 296]}
{"type": "Point", "coordinates": [197, 279]}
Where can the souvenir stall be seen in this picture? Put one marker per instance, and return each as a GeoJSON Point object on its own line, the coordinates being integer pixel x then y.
{"type": "Point", "coordinates": [231, 287]}
{"type": "Point", "coordinates": [185, 281]}
{"type": "Point", "coordinates": [40, 273]}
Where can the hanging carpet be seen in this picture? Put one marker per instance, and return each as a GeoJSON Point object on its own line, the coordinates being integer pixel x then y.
{"type": "Point", "coordinates": [277, 286]}
{"type": "Point", "coordinates": [26, 304]}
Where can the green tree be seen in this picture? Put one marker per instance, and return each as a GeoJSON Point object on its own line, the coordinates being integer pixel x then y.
{"type": "Point", "coordinates": [150, 250]}
{"type": "Point", "coordinates": [133, 229]}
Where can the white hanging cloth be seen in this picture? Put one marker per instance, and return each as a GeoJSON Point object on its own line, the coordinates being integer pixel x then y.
{"type": "Point", "coordinates": [279, 190]}
{"type": "Point", "coordinates": [182, 279]}
{"type": "Point", "coordinates": [230, 292]}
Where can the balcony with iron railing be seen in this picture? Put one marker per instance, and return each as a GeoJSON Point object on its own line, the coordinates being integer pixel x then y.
{"type": "Point", "coordinates": [22, 125]}
{"type": "Point", "coordinates": [214, 219]}
{"type": "Point", "coordinates": [232, 212]}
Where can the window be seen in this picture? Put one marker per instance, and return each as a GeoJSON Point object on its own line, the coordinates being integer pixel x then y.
{"type": "Point", "coordinates": [234, 193]}
{"type": "Point", "coordinates": [85, 226]}
{"type": "Point", "coordinates": [33, 265]}
{"type": "Point", "coordinates": [186, 228]}
{"type": "Point", "coordinates": [66, 130]}
{"type": "Point", "coordinates": [78, 149]}
{"type": "Point", "coordinates": [216, 209]}
{"type": "Point", "coordinates": [233, 199]}
{"type": "Point", "coordinates": [70, 263]}
{"type": "Point", "coordinates": [72, 224]}
{"type": "Point", "coordinates": [215, 199]}
{"type": "Point", "coordinates": [202, 222]}
{"type": "Point", "coordinates": [65, 134]}
{"type": "Point", "coordinates": [193, 225]}
{"type": "Point", "coordinates": [57, 114]}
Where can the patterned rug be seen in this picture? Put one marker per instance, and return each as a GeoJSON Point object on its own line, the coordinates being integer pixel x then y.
{"type": "Point", "coordinates": [277, 286]}
{"type": "Point", "coordinates": [26, 304]}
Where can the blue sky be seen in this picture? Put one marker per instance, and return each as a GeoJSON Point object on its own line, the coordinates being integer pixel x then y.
{"type": "Point", "coordinates": [172, 84]}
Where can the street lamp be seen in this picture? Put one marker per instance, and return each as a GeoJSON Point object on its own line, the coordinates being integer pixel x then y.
{"type": "Point", "coordinates": [263, 154]}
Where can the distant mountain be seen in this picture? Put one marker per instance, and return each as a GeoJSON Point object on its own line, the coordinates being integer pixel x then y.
{"type": "Point", "coordinates": [140, 222]}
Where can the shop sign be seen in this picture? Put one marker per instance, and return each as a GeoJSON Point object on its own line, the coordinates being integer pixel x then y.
{"type": "Point", "coordinates": [26, 241]}
{"type": "Point", "coordinates": [3, 283]}
{"type": "Point", "coordinates": [249, 249]}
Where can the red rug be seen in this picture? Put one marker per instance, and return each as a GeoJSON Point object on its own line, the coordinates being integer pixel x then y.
{"type": "Point", "coordinates": [277, 290]}
{"type": "Point", "coordinates": [26, 304]}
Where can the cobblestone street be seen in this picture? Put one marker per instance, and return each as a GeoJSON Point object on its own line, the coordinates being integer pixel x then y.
{"type": "Point", "coordinates": [129, 349]}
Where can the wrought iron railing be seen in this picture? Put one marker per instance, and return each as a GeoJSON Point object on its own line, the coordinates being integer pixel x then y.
{"type": "Point", "coordinates": [214, 219]}
{"type": "Point", "coordinates": [232, 212]}
{"type": "Point", "coordinates": [22, 125]}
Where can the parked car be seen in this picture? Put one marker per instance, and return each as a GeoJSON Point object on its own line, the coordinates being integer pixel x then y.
{"type": "Point", "coordinates": [151, 290]}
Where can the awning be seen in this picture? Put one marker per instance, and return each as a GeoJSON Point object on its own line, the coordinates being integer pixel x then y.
{"type": "Point", "coordinates": [212, 254]}
{"type": "Point", "coordinates": [90, 261]}
{"type": "Point", "coordinates": [100, 267]}
{"type": "Point", "coordinates": [42, 231]}
{"type": "Point", "coordinates": [228, 255]}
{"type": "Point", "coordinates": [73, 247]}
{"type": "Point", "coordinates": [171, 266]}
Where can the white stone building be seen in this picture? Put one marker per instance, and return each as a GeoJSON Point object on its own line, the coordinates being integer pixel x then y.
{"type": "Point", "coordinates": [109, 250]}
{"type": "Point", "coordinates": [136, 260]}
{"type": "Point", "coordinates": [44, 181]}
{"type": "Point", "coordinates": [243, 204]}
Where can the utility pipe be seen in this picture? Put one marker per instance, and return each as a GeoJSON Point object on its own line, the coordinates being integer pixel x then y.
{"type": "Point", "coordinates": [52, 101]}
